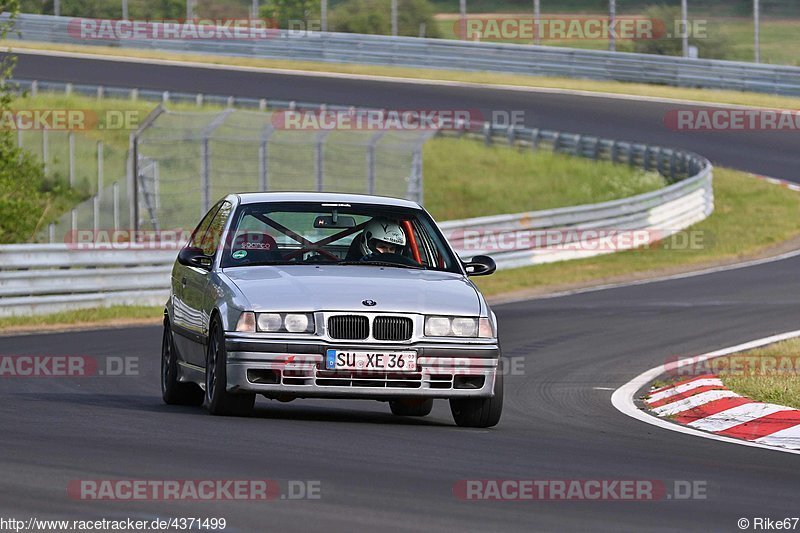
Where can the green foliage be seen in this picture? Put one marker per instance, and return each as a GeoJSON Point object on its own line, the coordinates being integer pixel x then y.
{"type": "Point", "coordinates": [283, 12]}
{"type": "Point", "coordinates": [709, 42]}
{"type": "Point", "coordinates": [722, 8]}
{"type": "Point", "coordinates": [24, 200]}
{"type": "Point", "coordinates": [111, 9]}
{"type": "Point", "coordinates": [374, 17]}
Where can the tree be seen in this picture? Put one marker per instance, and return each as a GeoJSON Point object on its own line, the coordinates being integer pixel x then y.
{"type": "Point", "coordinates": [710, 45]}
{"type": "Point", "coordinates": [23, 195]}
{"type": "Point", "coordinates": [282, 12]}
{"type": "Point", "coordinates": [109, 9]}
{"type": "Point", "coordinates": [374, 17]}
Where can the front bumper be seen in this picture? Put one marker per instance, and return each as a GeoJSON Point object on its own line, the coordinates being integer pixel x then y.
{"type": "Point", "coordinates": [296, 370]}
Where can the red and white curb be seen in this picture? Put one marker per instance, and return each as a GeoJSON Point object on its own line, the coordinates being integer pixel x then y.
{"type": "Point", "coordinates": [786, 184]}
{"type": "Point", "coordinates": [705, 403]}
{"type": "Point", "coordinates": [703, 407]}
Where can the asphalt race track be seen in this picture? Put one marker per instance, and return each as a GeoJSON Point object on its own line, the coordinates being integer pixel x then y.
{"type": "Point", "coordinates": [770, 153]}
{"type": "Point", "coordinates": [386, 473]}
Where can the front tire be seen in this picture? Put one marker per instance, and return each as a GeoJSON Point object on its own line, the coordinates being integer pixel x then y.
{"type": "Point", "coordinates": [218, 400]}
{"type": "Point", "coordinates": [480, 412]}
{"type": "Point", "coordinates": [173, 391]}
{"type": "Point", "coordinates": [411, 407]}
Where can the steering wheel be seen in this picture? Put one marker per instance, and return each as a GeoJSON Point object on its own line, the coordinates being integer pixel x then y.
{"type": "Point", "coordinates": [319, 258]}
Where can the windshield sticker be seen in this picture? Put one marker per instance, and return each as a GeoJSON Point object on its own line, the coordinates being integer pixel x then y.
{"type": "Point", "coordinates": [239, 254]}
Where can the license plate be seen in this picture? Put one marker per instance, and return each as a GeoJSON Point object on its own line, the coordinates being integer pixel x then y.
{"type": "Point", "coordinates": [364, 360]}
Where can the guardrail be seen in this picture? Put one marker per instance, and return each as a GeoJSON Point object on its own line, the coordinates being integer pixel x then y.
{"type": "Point", "coordinates": [566, 233]}
{"type": "Point", "coordinates": [47, 278]}
{"type": "Point", "coordinates": [446, 54]}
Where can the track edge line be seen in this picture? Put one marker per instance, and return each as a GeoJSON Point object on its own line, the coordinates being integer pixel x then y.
{"type": "Point", "coordinates": [623, 398]}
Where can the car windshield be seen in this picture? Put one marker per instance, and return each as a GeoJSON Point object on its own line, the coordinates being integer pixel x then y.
{"type": "Point", "coordinates": [291, 233]}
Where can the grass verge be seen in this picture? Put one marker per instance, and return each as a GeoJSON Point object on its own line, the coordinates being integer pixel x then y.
{"type": "Point", "coordinates": [465, 178]}
{"type": "Point", "coordinates": [780, 386]}
{"type": "Point", "coordinates": [107, 316]}
{"type": "Point", "coordinates": [482, 78]}
{"type": "Point", "coordinates": [750, 217]}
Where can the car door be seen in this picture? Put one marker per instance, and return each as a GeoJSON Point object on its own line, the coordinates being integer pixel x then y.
{"type": "Point", "coordinates": [186, 326]}
{"type": "Point", "coordinates": [200, 298]}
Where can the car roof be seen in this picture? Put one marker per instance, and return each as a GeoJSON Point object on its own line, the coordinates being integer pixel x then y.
{"type": "Point", "coordinates": [324, 197]}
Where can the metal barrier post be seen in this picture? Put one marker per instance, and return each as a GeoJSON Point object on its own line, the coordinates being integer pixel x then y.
{"type": "Point", "coordinates": [115, 195]}
{"type": "Point", "coordinates": [99, 167]}
{"type": "Point", "coordinates": [96, 214]}
{"type": "Point", "coordinates": [45, 155]}
{"type": "Point", "coordinates": [71, 143]}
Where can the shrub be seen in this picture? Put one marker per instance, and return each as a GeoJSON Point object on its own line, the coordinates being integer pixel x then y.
{"type": "Point", "coordinates": [710, 46]}
{"type": "Point", "coordinates": [374, 17]}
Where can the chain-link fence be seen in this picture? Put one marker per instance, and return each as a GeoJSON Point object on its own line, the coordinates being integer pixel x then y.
{"type": "Point", "coordinates": [181, 162]}
{"type": "Point", "coordinates": [74, 160]}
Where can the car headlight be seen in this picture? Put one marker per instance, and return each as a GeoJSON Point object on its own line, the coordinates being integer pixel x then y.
{"type": "Point", "coordinates": [270, 322]}
{"type": "Point", "coordinates": [286, 322]}
{"type": "Point", "coordinates": [437, 326]}
{"type": "Point", "coordinates": [458, 326]}
{"type": "Point", "coordinates": [295, 323]}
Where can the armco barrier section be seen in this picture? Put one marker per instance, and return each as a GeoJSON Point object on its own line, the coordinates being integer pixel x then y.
{"type": "Point", "coordinates": [49, 278]}
{"type": "Point", "coordinates": [446, 54]}
{"type": "Point", "coordinates": [576, 232]}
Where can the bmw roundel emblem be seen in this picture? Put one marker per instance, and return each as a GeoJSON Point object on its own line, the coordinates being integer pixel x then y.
{"type": "Point", "coordinates": [370, 303]}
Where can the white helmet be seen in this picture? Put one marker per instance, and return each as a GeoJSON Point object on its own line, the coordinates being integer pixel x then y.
{"type": "Point", "coordinates": [381, 229]}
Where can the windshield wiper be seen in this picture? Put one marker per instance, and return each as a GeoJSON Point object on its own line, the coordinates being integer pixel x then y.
{"type": "Point", "coordinates": [380, 263]}
{"type": "Point", "coordinates": [262, 263]}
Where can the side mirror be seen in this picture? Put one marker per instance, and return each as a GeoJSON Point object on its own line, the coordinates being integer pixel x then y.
{"type": "Point", "coordinates": [194, 257]}
{"type": "Point", "coordinates": [480, 265]}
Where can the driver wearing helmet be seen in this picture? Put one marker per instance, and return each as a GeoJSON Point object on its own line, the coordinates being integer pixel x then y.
{"type": "Point", "coordinates": [382, 236]}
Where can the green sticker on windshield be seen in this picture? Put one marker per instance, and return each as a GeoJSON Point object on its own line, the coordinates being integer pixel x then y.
{"type": "Point", "coordinates": [239, 254]}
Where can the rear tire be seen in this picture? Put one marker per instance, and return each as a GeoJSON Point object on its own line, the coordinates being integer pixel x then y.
{"type": "Point", "coordinates": [173, 391]}
{"type": "Point", "coordinates": [480, 412]}
{"type": "Point", "coordinates": [411, 407]}
{"type": "Point", "coordinates": [218, 400]}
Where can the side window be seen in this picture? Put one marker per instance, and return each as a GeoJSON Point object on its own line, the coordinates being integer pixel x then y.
{"type": "Point", "coordinates": [213, 236]}
{"type": "Point", "coordinates": [200, 231]}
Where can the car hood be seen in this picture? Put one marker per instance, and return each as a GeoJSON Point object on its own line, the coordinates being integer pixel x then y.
{"type": "Point", "coordinates": [345, 288]}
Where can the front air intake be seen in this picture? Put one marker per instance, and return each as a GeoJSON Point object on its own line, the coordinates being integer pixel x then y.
{"type": "Point", "coordinates": [349, 327]}
{"type": "Point", "coordinates": [392, 328]}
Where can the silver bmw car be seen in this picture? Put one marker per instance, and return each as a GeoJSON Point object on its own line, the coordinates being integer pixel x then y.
{"type": "Point", "coordinates": [319, 295]}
